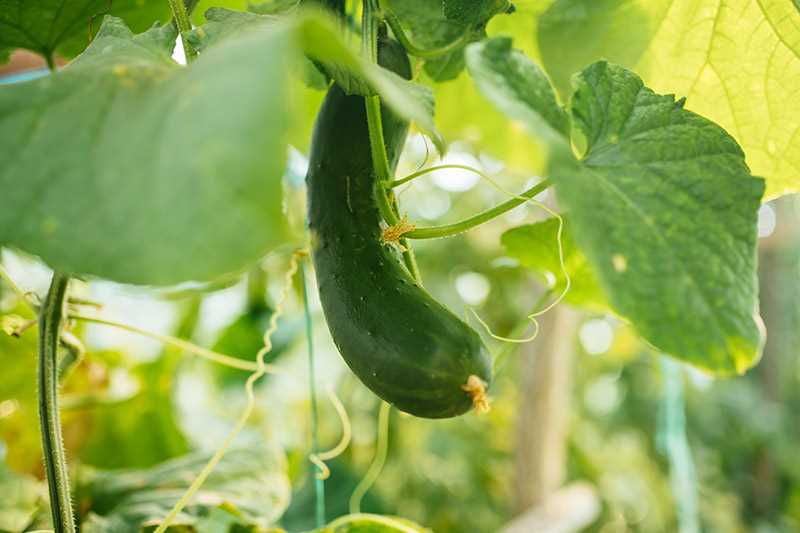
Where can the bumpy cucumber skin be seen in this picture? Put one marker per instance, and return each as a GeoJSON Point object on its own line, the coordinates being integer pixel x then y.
{"type": "Point", "coordinates": [405, 346]}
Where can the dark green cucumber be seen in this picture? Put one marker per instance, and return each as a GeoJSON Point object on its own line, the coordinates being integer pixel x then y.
{"type": "Point", "coordinates": [405, 346]}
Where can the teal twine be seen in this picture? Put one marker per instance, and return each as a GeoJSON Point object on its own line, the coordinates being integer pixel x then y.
{"type": "Point", "coordinates": [673, 442]}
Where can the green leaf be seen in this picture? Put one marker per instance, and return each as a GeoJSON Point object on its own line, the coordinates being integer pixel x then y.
{"type": "Point", "coordinates": [50, 26]}
{"type": "Point", "coordinates": [244, 337]}
{"type": "Point", "coordinates": [250, 483]}
{"type": "Point", "coordinates": [665, 209]}
{"type": "Point", "coordinates": [572, 34]}
{"type": "Point", "coordinates": [150, 411]}
{"type": "Point", "coordinates": [535, 246]}
{"type": "Point", "coordinates": [224, 23]}
{"type": "Point", "coordinates": [273, 7]}
{"type": "Point", "coordinates": [472, 12]}
{"type": "Point", "coordinates": [23, 496]}
{"type": "Point", "coordinates": [737, 62]}
{"type": "Point", "coordinates": [371, 523]}
{"type": "Point", "coordinates": [519, 88]}
{"type": "Point", "coordinates": [436, 23]}
{"type": "Point", "coordinates": [113, 164]}
{"type": "Point", "coordinates": [321, 41]}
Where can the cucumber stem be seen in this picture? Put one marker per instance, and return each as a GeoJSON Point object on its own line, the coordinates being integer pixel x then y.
{"type": "Point", "coordinates": [447, 230]}
{"type": "Point", "coordinates": [181, 17]}
{"type": "Point", "coordinates": [380, 159]}
{"type": "Point", "coordinates": [55, 463]}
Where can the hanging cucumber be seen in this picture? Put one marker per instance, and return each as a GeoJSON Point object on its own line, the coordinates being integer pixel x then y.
{"type": "Point", "coordinates": [404, 345]}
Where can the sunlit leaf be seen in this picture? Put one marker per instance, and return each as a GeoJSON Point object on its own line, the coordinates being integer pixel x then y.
{"type": "Point", "coordinates": [519, 88]}
{"type": "Point", "coordinates": [737, 62]}
{"type": "Point", "coordinates": [665, 209]}
{"type": "Point", "coordinates": [115, 163]}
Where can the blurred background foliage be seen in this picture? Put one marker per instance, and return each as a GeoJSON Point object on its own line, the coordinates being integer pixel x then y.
{"type": "Point", "coordinates": [613, 415]}
{"type": "Point", "coordinates": [132, 403]}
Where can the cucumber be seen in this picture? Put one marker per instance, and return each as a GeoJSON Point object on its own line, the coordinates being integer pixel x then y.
{"type": "Point", "coordinates": [405, 346]}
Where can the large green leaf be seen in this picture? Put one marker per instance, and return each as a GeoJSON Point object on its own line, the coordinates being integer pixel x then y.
{"type": "Point", "coordinates": [251, 483]}
{"type": "Point", "coordinates": [50, 26]}
{"type": "Point", "coordinates": [519, 88]}
{"type": "Point", "coordinates": [662, 204]}
{"type": "Point", "coordinates": [736, 61]}
{"type": "Point", "coordinates": [113, 165]}
{"type": "Point", "coordinates": [665, 209]}
{"type": "Point", "coordinates": [535, 246]}
{"type": "Point", "coordinates": [321, 41]}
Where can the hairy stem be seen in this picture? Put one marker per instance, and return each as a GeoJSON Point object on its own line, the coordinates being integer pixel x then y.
{"type": "Point", "coordinates": [55, 463]}
{"type": "Point", "coordinates": [181, 17]}
{"type": "Point", "coordinates": [447, 230]}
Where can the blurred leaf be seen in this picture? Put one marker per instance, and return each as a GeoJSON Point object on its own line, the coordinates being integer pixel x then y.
{"type": "Point", "coordinates": [737, 62]}
{"type": "Point", "coordinates": [665, 209]}
{"type": "Point", "coordinates": [338, 489]}
{"type": "Point", "coordinates": [152, 155]}
{"type": "Point", "coordinates": [319, 38]}
{"type": "Point", "coordinates": [572, 34]}
{"type": "Point", "coordinates": [368, 523]}
{"type": "Point", "coordinates": [471, 12]}
{"type": "Point", "coordinates": [436, 23]}
{"type": "Point", "coordinates": [273, 7]}
{"type": "Point", "coordinates": [50, 26]}
{"type": "Point", "coordinates": [243, 339]}
{"type": "Point", "coordinates": [150, 414]}
{"type": "Point", "coordinates": [18, 357]}
{"type": "Point", "coordinates": [249, 483]}
{"type": "Point", "coordinates": [519, 88]}
{"type": "Point", "coordinates": [22, 497]}
{"type": "Point", "coordinates": [535, 246]}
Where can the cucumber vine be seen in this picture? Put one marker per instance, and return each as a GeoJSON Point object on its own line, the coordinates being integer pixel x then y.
{"type": "Point", "coordinates": [51, 317]}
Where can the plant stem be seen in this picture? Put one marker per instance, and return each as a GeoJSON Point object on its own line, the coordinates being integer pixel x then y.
{"type": "Point", "coordinates": [415, 50]}
{"type": "Point", "coordinates": [447, 230]}
{"type": "Point", "coordinates": [380, 159]}
{"type": "Point", "coordinates": [181, 17]}
{"type": "Point", "coordinates": [55, 463]}
{"type": "Point", "coordinates": [51, 63]}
